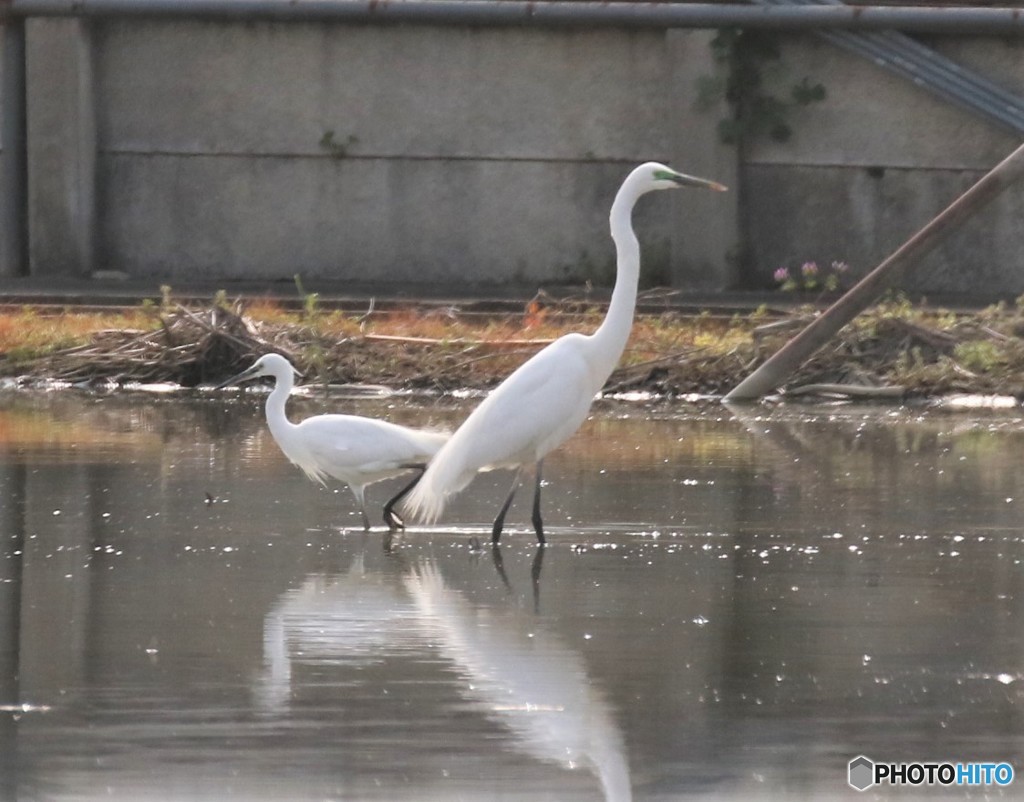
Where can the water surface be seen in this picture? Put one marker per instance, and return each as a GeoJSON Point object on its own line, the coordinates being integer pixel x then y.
{"type": "Point", "coordinates": [732, 606]}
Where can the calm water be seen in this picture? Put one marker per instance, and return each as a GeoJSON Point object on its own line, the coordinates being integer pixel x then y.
{"type": "Point", "coordinates": [729, 608]}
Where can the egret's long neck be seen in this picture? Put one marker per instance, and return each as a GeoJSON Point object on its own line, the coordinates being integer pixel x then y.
{"type": "Point", "coordinates": [610, 338]}
{"type": "Point", "coordinates": [276, 418]}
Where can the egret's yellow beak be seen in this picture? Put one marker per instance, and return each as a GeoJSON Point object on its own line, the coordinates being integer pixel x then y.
{"type": "Point", "coordinates": [692, 181]}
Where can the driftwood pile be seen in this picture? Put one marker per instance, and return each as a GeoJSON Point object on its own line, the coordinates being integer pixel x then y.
{"type": "Point", "coordinates": [894, 356]}
{"type": "Point", "coordinates": [884, 355]}
{"type": "Point", "coordinates": [189, 348]}
{"type": "Point", "coordinates": [887, 353]}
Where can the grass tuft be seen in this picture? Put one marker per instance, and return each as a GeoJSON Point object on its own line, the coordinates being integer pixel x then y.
{"type": "Point", "coordinates": [923, 351]}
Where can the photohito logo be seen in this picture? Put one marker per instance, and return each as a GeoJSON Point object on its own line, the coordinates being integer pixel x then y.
{"type": "Point", "coordinates": [862, 773]}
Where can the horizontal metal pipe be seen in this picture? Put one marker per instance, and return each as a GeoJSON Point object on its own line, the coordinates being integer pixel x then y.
{"type": "Point", "coordinates": [546, 13]}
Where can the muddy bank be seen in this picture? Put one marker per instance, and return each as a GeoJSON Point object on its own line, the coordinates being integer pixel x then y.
{"type": "Point", "coordinates": [895, 351]}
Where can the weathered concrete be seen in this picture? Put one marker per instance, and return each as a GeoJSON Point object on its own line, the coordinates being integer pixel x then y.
{"type": "Point", "coordinates": [453, 155]}
{"type": "Point", "coordinates": [704, 252]}
{"type": "Point", "coordinates": [13, 156]}
{"type": "Point", "coordinates": [213, 151]}
{"type": "Point", "coordinates": [62, 147]}
{"type": "Point", "coordinates": [462, 221]}
{"type": "Point", "coordinates": [401, 92]}
{"type": "Point", "coordinates": [872, 164]}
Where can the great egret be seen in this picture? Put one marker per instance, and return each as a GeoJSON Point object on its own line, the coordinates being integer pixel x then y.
{"type": "Point", "coordinates": [547, 398]}
{"type": "Point", "coordinates": [524, 678]}
{"type": "Point", "coordinates": [352, 449]}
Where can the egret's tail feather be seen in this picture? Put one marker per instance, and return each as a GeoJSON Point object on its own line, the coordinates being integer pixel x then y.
{"type": "Point", "coordinates": [439, 482]}
{"type": "Point", "coordinates": [424, 502]}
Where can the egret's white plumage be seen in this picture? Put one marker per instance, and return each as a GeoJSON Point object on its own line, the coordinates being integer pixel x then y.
{"type": "Point", "coordinates": [352, 449]}
{"type": "Point", "coordinates": [547, 398]}
{"type": "Point", "coordinates": [525, 679]}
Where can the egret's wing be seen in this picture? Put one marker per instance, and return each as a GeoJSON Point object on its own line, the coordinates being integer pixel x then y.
{"type": "Point", "coordinates": [531, 412]}
{"type": "Point", "coordinates": [353, 448]}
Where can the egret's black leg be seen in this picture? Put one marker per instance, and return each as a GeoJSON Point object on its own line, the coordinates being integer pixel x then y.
{"type": "Point", "coordinates": [388, 541]}
{"type": "Point", "coordinates": [499, 522]}
{"type": "Point", "coordinates": [538, 524]}
{"type": "Point", "coordinates": [392, 518]}
{"type": "Point", "coordinates": [499, 566]}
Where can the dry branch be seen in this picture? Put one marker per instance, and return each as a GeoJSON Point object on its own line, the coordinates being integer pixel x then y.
{"type": "Point", "coordinates": [892, 349]}
{"type": "Point", "coordinates": [508, 343]}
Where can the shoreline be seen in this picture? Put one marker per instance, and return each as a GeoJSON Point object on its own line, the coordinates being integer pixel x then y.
{"type": "Point", "coordinates": [893, 353]}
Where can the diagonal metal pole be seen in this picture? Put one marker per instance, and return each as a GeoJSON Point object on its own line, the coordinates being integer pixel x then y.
{"type": "Point", "coordinates": [781, 365]}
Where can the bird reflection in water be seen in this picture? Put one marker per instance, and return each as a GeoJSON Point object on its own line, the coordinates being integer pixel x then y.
{"type": "Point", "coordinates": [535, 569]}
{"type": "Point", "coordinates": [352, 619]}
{"type": "Point", "coordinates": [525, 679]}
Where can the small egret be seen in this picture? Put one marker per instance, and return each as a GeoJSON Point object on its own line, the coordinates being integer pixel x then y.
{"type": "Point", "coordinates": [355, 450]}
{"type": "Point", "coordinates": [547, 398]}
{"type": "Point", "coordinates": [358, 619]}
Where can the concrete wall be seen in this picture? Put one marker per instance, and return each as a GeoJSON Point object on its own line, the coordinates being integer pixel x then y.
{"type": "Point", "coordinates": [402, 155]}
{"type": "Point", "coordinates": [13, 146]}
{"type": "Point", "coordinates": [873, 163]}
{"type": "Point", "coordinates": [62, 147]}
{"type": "Point", "coordinates": [416, 156]}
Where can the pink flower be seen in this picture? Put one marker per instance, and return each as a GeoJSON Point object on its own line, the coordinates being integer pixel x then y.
{"type": "Point", "coordinates": [781, 275]}
{"type": "Point", "coordinates": [809, 269]}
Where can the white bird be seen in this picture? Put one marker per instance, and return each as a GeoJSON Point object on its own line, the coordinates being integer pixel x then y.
{"type": "Point", "coordinates": [547, 398]}
{"type": "Point", "coordinates": [360, 618]}
{"type": "Point", "coordinates": [352, 449]}
{"type": "Point", "coordinates": [526, 679]}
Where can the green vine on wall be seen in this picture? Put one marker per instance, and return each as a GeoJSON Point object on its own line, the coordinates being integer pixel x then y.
{"type": "Point", "coordinates": [745, 58]}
